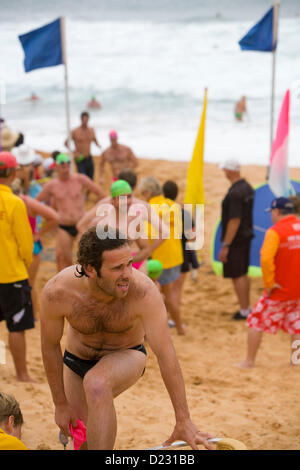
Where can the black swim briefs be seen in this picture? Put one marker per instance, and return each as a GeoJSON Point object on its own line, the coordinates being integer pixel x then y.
{"type": "Point", "coordinates": [82, 366]}
{"type": "Point", "coordinates": [70, 229]}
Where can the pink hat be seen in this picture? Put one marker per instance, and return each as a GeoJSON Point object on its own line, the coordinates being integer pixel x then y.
{"type": "Point", "coordinates": [113, 134]}
{"type": "Point", "coordinates": [7, 160]}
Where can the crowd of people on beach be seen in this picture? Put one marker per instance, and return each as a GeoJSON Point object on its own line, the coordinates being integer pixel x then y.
{"type": "Point", "coordinates": [134, 249]}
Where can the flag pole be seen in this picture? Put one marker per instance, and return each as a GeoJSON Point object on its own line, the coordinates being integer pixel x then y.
{"type": "Point", "coordinates": [67, 101]}
{"type": "Point", "coordinates": [274, 49]}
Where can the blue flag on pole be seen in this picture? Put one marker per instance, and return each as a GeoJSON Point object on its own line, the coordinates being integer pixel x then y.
{"type": "Point", "coordinates": [43, 46]}
{"type": "Point", "coordinates": [260, 36]}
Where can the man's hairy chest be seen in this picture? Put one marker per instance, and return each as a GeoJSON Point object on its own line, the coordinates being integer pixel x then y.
{"type": "Point", "coordinates": [92, 317]}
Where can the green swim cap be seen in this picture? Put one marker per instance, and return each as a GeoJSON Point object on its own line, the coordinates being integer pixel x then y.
{"type": "Point", "coordinates": [154, 268]}
{"type": "Point", "coordinates": [62, 158]}
{"type": "Point", "coordinates": [120, 188]}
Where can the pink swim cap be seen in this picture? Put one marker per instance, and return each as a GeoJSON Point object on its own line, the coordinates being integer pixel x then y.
{"type": "Point", "coordinates": [113, 134]}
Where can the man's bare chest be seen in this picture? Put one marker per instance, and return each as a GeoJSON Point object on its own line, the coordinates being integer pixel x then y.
{"type": "Point", "coordinates": [118, 156]}
{"type": "Point", "coordinates": [83, 136]}
{"type": "Point", "coordinates": [68, 190]}
{"type": "Point", "coordinates": [92, 318]}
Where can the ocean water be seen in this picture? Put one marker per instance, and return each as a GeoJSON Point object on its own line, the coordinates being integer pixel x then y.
{"type": "Point", "coordinates": [147, 62]}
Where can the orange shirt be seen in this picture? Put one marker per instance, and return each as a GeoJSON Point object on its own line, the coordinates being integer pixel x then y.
{"type": "Point", "coordinates": [280, 259]}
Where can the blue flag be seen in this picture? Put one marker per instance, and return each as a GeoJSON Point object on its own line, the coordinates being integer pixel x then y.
{"type": "Point", "coordinates": [260, 36]}
{"type": "Point", "coordinates": [43, 46]}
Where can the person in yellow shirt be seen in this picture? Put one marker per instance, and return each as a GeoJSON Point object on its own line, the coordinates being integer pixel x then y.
{"type": "Point", "coordinates": [169, 253]}
{"type": "Point", "coordinates": [11, 421]}
{"type": "Point", "coordinates": [16, 244]}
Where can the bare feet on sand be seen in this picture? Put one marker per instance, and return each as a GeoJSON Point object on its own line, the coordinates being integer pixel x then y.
{"type": "Point", "coordinates": [246, 364]}
{"type": "Point", "coordinates": [180, 329]}
{"type": "Point", "coordinates": [25, 378]}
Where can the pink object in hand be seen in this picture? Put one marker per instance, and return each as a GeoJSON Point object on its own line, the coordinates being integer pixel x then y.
{"type": "Point", "coordinates": [78, 434]}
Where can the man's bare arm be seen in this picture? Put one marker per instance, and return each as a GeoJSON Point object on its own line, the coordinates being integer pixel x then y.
{"type": "Point", "coordinates": [101, 167]}
{"type": "Point", "coordinates": [91, 186]}
{"type": "Point", "coordinates": [144, 250]}
{"type": "Point", "coordinates": [231, 231]}
{"type": "Point", "coordinates": [158, 336]}
{"type": "Point", "coordinates": [69, 139]}
{"type": "Point", "coordinates": [132, 159]}
{"type": "Point", "coordinates": [95, 140]}
{"type": "Point", "coordinates": [66, 143]}
{"type": "Point", "coordinates": [52, 325]}
{"type": "Point", "coordinates": [46, 192]}
{"type": "Point", "coordinates": [85, 221]}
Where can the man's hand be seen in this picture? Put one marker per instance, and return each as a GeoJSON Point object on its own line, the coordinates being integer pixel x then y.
{"type": "Point", "coordinates": [64, 415]}
{"type": "Point", "coordinates": [188, 432]}
{"type": "Point", "coordinates": [223, 253]}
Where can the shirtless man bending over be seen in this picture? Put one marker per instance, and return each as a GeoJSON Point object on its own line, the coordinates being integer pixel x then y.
{"type": "Point", "coordinates": [83, 136]}
{"type": "Point", "coordinates": [67, 192]}
{"type": "Point", "coordinates": [110, 308]}
{"type": "Point", "coordinates": [118, 156]}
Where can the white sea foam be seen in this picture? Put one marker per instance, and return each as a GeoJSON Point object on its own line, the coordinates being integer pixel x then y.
{"type": "Point", "coordinates": [150, 78]}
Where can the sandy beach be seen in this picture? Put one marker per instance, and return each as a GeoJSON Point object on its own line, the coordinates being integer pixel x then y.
{"type": "Point", "coordinates": [259, 407]}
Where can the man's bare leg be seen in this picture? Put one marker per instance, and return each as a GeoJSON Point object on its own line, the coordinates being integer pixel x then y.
{"type": "Point", "coordinates": [172, 305]}
{"type": "Point", "coordinates": [178, 286]}
{"type": "Point", "coordinates": [242, 289]}
{"type": "Point", "coordinates": [295, 350]}
{"type": "Point", "coordinates": [17, 346]}
{"type": "Point", "coordinates": [32, 272]}
{"type": "Point", "coordinates": [64, 246]}
{"type": "Point", "coordinates": [75, 393]}
{"type": "Point", "coordinates": [254, 339]}
{"type": "Point", "coordinates": [112, 375]}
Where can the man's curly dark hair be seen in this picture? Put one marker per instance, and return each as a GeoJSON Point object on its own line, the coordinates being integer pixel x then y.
{"type": "Point", "coordinates": [91, 248]}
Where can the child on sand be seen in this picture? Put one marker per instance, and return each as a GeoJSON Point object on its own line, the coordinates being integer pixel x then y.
{"type": "Point", "coordinates": [11, 421]}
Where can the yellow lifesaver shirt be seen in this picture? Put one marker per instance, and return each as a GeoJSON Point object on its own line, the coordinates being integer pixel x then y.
{"type": "Point", "coordinates": [8, 442]}
{"type": "Point", "coordinates": [16, 239]}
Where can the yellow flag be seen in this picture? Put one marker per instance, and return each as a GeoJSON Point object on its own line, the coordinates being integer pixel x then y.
{"type": "Point", "coordinates": [195, 177]}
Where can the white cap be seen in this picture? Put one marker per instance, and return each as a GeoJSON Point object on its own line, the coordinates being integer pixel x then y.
{"type": "Point", "coordinates": [24, 154]}
{"type": "Point", "coordinates": [231, 164]}
{"type": "Point", "coordinates": [48, 162]}
{"type": "Point", "coordinates": [38, 160]}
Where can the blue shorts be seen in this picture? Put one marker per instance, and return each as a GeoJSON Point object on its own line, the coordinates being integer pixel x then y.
{"type": "Point", "coordinates": [169, 275]}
